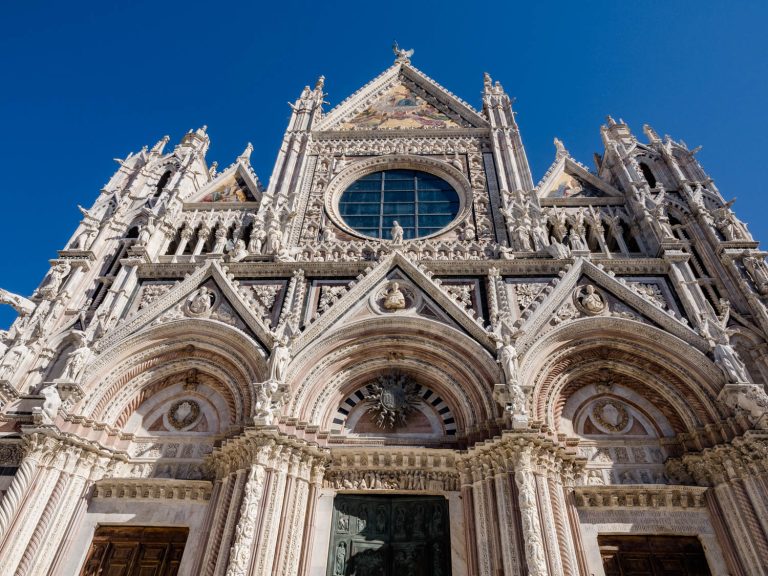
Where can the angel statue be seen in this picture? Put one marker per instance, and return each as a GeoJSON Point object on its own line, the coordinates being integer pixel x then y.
{"type": "Point", "coordinates": [403, 56]}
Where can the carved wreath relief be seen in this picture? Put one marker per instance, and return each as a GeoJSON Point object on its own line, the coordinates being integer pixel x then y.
{"type": "Point", "coordinates": [183, 414]}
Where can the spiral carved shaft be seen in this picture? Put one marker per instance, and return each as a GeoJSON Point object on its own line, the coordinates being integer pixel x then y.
{"type": "Point", "coordinates": [9, 505]}
{"type": "Point", "coordinates": [42, 525]}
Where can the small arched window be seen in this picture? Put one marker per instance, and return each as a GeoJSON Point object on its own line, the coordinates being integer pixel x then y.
{"type": "Point", "coordinates": [162, 183]}
{"type": "Point", "coordinates": [648, 174]}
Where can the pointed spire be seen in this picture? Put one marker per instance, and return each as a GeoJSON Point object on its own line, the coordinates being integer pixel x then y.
{"type": "Point", "coordinates": [212, 170]}
{"type": "Point", "coordinates": [610, 120]}
{"type": "Point", "coordinates": [245, 157]}
{"type": "Point", "coordinates": [560, 149]}
{"type": "Point", "coordinates": [651, 133]}
{"type": "Point", "coordinates": [487, 83]}
{"type": "Point", "coordinates": [320, 84]}
{"type": "Point", "coordinates": [158, 148]}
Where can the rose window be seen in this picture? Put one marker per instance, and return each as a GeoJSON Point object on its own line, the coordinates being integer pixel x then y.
{"type": "Point", "coordinates": [421, 203]}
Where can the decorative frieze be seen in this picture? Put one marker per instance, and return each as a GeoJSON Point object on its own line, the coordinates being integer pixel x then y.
{"type": "Point", "coordinates": [640, 496]}
{"type": "Point", "coordinates": [154, 489]}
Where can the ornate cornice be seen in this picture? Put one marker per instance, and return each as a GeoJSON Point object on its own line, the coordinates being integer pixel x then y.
{"type": "Point", "coordinates": [535, 451]}
{"type": "Point", "coordinates": [744, 457]}
{"type": "Point", "coordinates": [271, 449]}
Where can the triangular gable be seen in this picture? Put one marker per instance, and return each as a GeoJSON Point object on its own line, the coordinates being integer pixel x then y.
{"type": "Point", "coordinates": [235, 185]}
{"type": "Point", "coordinates": [559, 299]}
{"type": "Point", "coordinates": [401, 98]}
{"type": "Point", "coordinates": [445, 309]}
{"type": "Point", "coordinates": [210, 273]}
{"type": "Point", "coordinates": [567, 179]}
{"type": "Point", "coordinates": [399, 108]}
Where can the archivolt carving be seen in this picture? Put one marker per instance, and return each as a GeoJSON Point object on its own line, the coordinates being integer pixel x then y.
{"type": "Point", "coordinates": [458, 368]}
{"type": "Point", "coordinates": [684, 388]}
{"type": "Point", "coordinates": [125, 399]}
{"type": "Point", "coordinates": [248, 353]}
{"type": "Point", "coordinates": [230, 361]}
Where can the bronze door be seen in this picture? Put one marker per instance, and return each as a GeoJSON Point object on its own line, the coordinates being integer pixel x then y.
{"type": "Point", "coordinates": [135, 551]}
{"type": "Point", "coordinates": [653, 556]}
{"type": "Point", "coordinates": [390, 536]}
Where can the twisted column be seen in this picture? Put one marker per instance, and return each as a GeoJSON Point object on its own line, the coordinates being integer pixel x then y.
{"type": "Point", "coordinates": [43, 523]}
{"type": "Point", "coordinates": [13, 497]}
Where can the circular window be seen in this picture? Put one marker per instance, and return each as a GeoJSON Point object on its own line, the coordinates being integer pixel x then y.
{"type": "Point", "coordinates": [421, 203]}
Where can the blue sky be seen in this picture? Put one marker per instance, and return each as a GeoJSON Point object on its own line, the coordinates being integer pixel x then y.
{"type": "Point", "coordinates": [85, 82]}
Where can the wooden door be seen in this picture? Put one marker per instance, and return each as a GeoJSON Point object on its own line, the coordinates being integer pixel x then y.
{"type": "Point", "coordinates": [390, 536]}
{"type": "Point", "coordinates": [653, 556]}
{"type": "Point", "coordinates": [135, 551]}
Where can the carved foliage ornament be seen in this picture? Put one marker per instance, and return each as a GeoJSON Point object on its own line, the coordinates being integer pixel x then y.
{"type": "Point", "coordinates": [393, 397]}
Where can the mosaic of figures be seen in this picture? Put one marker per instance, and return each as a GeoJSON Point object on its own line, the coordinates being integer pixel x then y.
{"type": "Point", "coordinates": [399, 108]}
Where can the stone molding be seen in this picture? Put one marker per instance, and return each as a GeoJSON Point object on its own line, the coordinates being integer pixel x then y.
{"type": "Point", "coordinates": [198, 491]}
{"type": "Point", "coordinates": [640, 496]}
{"type": "Point", "coordinates": [271, 449]}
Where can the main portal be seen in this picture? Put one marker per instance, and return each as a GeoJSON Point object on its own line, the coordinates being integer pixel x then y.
{"type": "Point", "coordinates": [390, 536]}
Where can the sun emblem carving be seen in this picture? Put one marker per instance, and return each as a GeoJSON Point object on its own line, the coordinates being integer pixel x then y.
{"type": "Point", "coordinates": [393, 397]}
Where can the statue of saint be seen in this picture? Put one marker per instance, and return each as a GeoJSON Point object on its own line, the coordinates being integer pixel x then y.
{"type": "Point", "coordinates": [238, 251]}
{"type": "Point", "coordinates": [76, 360]}
{"type": "Point", "coordinates": [509, 362]}
{"type": "Point", "coordinates": [729, 362]}
{"type": "Point", "coordinates": [51, 285]}
{"type": "Point", "coordinates": [393, 298]}
{"type": "Point", "coordinates": [591, 300]}
{"type": "Point", "coordinates": [221, 239]}
{"type": "Point", "coordinates": [757, 271]}
{"type": "Point", "coordinates": [256, 241]}
{"type": "Point", "coordinates": [575, 241]}
{"type": "Point", "coordinates": [397, 233]}
{"type": "Point", "coordinates": [278, 360]}
{"type": "Point", "coordinates": [201, 301]}
{"type": "Point", "coordinates": [274, 239]}
{"type": "Point", "coordinates": [145, 233]}
{"type": "Point", "coordinates": [51, 403]}
{"type": "Point", "coordinates": [341, 557]}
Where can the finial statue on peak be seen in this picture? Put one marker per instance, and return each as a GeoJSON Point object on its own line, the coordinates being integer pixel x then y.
{"type": "Point", "coordinates": [403, 56]}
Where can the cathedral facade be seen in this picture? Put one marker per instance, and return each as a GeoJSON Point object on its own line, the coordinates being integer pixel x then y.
{"type": "Point", "coordinates": [399, 357]}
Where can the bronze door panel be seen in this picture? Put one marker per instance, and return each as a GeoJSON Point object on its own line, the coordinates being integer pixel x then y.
{"type": "Point", "coordinates": [383, 535]}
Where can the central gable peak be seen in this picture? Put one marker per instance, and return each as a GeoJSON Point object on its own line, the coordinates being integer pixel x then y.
{"type": "Point", "coordinates": [401, 98]}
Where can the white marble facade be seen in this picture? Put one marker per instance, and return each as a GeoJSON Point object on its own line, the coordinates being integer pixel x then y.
{"type": "Point", "coordinates": [563, 360]}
